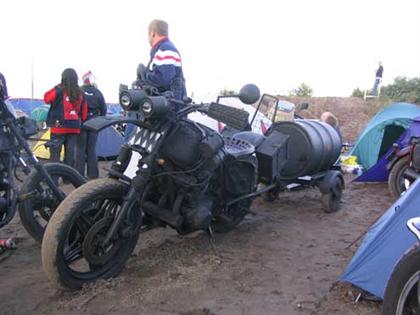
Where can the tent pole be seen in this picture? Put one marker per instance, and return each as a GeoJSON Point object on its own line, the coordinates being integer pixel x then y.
{"type": "Point", "coordinates": [32, 84]}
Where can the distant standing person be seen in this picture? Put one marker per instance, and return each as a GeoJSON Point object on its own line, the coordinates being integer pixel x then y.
{"type": "Point", "coordinates": [67, 112]}
{"type": "Point", "coordinates": [86, 148]}
{"type": "Point", "coordinates": [378, 79]}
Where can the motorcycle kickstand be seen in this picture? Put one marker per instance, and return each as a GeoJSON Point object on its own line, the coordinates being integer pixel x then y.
{"type": "Point", "coordinates": [210, 234]}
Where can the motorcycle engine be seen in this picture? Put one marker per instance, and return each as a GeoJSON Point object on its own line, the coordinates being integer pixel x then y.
{"type": "Point", "coordinates": [198, 216]}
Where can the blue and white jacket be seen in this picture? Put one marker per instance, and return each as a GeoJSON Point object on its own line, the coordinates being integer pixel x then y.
{"type": "Point", "coordinates": [164, 69]}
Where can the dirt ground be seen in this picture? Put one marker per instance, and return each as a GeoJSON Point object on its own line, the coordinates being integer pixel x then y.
{"type": "Point", "coordinates": [285, 259]}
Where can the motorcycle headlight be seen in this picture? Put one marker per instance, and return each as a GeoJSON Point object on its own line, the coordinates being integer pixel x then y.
{"type": "Point", "coordinates": [131, 100]}
{"type": "Point", "coordinates": [154, 107]}
{"type": "Point", "coordinates": [147, 108]}
{"type": "Point", "coordinates": [125, 101]}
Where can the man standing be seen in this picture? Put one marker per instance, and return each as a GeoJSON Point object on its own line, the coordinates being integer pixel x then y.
{"type": "Point", "coordinates": [378, 79]}
{"type": "Point", "coordinates": [164, 70]}
{"type": "Point", "coordinates": [86, 149]}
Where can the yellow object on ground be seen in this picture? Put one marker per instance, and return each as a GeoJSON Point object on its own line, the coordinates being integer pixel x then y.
{"type": "Point", "coordinates": [349, 160]}
{"type": "Point", "coordinates": [349, 165]}
{"type": "Point", "coordinates": [40, 150]}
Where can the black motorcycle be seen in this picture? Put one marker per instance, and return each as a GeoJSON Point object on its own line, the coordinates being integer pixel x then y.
{"type": "Point", "coordinates": [403, 167]}
{"type": "Point", "coordinates": [43, 189]}
{"type": "Point", "coordinates": [402, 293]}
{"type": "Point", "coordinates": [173, 172]}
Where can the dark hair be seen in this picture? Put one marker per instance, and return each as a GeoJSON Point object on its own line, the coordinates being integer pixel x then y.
{"type": "Point", "coordinates": [70, 84]}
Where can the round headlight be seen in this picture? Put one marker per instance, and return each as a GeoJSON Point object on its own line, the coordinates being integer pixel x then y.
{"type": "Point", "coordinates": [147, 108]}
{"type": "Point", "coordinates": [125, 100]}
{"type": "Point", "coordinates": [154, 107]}
{"type": "Point", "coordinates": [132, 99]}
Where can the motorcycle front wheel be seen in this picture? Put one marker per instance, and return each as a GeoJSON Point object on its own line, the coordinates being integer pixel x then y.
{"type": "Point", "coordinates": [36, 209]}
{"type": "Point", "coordinates": [73, 253]}
{"type": "Point", "coordinates": [402, 293]}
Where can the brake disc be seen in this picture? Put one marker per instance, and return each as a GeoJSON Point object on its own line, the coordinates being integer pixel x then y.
{"type": "Point", "coordinates": [93, 250]}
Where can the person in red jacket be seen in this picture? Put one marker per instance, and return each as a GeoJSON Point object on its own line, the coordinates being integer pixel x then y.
{"type": "Point", "coordinates": [67, 112]}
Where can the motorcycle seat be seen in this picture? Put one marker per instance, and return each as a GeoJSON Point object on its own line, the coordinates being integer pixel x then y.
{"type": "Point", "coordinates": [254, 138]}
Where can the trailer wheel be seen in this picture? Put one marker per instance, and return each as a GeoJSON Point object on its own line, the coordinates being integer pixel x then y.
{"type": "Point", "coordinates": [331, 199]}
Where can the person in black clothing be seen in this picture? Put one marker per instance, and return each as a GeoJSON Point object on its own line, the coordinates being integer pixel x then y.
{"type": "Point", "coordinates": [378, 79]}
{"type": "Point", "coordinates": [86, 150]}
{"type": "Point", "coordinates": [3, 88]}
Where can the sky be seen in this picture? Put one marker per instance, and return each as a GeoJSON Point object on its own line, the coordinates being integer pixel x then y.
{"type": "Point", "coordinates": [333, 46]}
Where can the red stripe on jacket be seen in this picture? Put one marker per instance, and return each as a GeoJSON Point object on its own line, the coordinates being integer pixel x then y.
{"type": "Point", "coordinates": [168, 57]}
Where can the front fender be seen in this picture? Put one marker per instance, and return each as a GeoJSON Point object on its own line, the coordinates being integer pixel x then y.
{"type": "Point", "coordinates": [396, 156]}
{"type": "Point", "coordinates": [98, 123]}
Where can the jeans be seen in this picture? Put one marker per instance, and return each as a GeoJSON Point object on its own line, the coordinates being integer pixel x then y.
{"type": "Point", "coordinates": [86, 154]}
{"type": "Point", "coordinates": [69, 141]}
{"type": "Point", "coordinates": [375, 86]}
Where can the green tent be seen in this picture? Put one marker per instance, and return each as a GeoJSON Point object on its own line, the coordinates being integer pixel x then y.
{"type": "Point", "coordinates": [40, 113]}
{"type": "Point", "coordinates": [382, 131]}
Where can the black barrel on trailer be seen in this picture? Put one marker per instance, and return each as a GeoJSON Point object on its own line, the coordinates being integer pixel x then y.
{"type": "Point", "coordinates": [313, 147]}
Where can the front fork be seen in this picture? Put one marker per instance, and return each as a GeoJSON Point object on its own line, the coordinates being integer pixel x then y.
{"type": "Point", "coordinates": [135, 193]}
{"type": "Point", "coordinates": [38, 165]}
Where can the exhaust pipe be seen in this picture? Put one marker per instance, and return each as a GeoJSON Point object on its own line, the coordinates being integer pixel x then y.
{"type": "Point", "coordinates": [162, 214]}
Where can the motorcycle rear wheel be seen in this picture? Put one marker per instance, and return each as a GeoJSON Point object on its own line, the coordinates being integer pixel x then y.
{"type": "Point", "coordinates": [402, 291]}
{"type": "Point", "coordinates": [398, 183]}
{"type": "Point", "coordinates": [72, 252]}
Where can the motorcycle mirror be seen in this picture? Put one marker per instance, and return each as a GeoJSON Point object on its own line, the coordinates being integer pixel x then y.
{"type": "Point", "coordinates": [249, 94]}
{"type": "Point", "coordinates": [302, 106]}
{"type": "Point", "coordinates": [285, 106]}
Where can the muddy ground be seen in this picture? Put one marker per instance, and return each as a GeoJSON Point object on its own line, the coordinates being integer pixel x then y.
{"type": "Point", "coordinates": [284, 260]}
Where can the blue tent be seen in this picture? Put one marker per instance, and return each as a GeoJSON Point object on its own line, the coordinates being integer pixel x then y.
{"type": "Point", "coordinates": [384, 244]}
{"type": "Point", "coordinates": [385, 128]}
{"type": "Point", "coordinates": [109, 143]}
{"type": "Point", "coordinates": [27, 105]}
{"type": "Point", "coordinates": [379, 172]}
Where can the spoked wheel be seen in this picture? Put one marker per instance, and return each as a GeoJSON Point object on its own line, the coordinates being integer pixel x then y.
{"type": "Point", "coordinates": [402, 294]}
{"type": "Point", "coordinates": [331, 200]}
{"type": "Point", "coordinates": [39, 200]}
{"type": "Point", "coordinates": [7, 207]}
{"type": "Point", "coordinates": [398, 180]}
{"type": "Point", "coordinates": [73, 249]}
